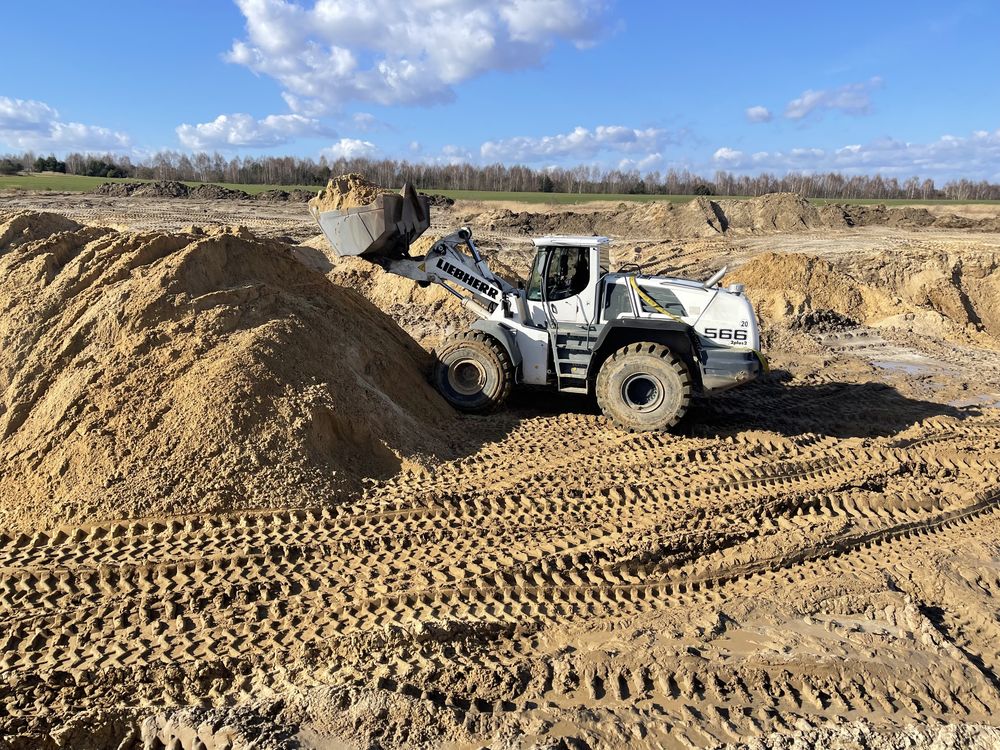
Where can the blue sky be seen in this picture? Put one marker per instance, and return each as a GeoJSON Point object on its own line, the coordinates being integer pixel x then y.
{"type": "Point", "coordinates": [857, 87]}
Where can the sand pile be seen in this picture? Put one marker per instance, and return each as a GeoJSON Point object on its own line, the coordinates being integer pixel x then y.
{"type": "Point", "coordinates": [167, 373]}
{"type": "Point", "coordinates": [428, 314]}
{"type": "Point", "coordinates": [699, 217]}
{"type": "Point", "coordinates": [964, 287]}
{"type": "Point", "coordinates": [696, 218]}
{"type": "Point", "coordinates": [24, 227]}
{"type": "Point", "coordinates": [775, 212]}
{"type": "Point", "coordinates": [957, 297]}
{"type": "Point", "coordinates": [347, 191]}
{"type": "Point", "coordinates": [702, 217]}
{"type": "Point", "coordinates": [784, 287]}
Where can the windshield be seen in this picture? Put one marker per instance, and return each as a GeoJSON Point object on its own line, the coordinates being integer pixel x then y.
{"type": "Point", "coordinates": [568, 273]}
{"type": "Point", "coordinates": [535, 280]}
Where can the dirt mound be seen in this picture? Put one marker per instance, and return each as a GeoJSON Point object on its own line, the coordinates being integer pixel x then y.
{"type": "Point", "coordinates": [954, 296]}
{"type": "Point", "coordinates": [168, 189]}
{"type": "Point", "coordinates": [954, 221]}
{"type": "Point", "coordinates": [27, 226]}
{"type": "Point", "coordinates": [696, 218]}
{"type": "Point", "coordinates": [775, 212]}
{"type": "Point", "coordinates": [535, 222]}
{"type": "Point", "coordinates": [285, 196]}
{"type": "Point", "coordinates": [910, 217]}
{"type": "Point", "coordinates": [217, 193]}
{"type": "Point", "coordinates": [347, 191]}
{"type": "Point", "coordinates": [174, 373]}
{"type": "Point", "coordinates": [427, 314]}
{"type": "Point", "coordinates": [702, 217]}
{"type": "Point", "coordinates": [116, 189]}
{"type": "Point", "coordinates": [439, 201]}
{"type": "Point", "coordinates": [785, 287]}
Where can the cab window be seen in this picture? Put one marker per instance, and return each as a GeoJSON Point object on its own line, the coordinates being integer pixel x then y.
{"type": "Point", "coordinates": [535, 280]}
{"type": "Point", "coordinates": [568, 273]}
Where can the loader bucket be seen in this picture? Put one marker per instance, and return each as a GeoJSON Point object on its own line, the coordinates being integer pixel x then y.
{"type": "Point", "coordinates": [383, 229]}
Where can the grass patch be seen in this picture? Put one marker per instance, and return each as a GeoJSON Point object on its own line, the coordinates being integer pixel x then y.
{"type": "Point", "coordinates": [71, 183]}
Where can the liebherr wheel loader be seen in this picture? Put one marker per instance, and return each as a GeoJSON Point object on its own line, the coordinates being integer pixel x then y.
{"type": "Point", "coordinates": [641, 344]}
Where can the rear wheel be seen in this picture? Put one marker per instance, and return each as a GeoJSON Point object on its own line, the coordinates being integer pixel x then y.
{"type": "Point", "coordinates": [644, 387]}
{"type": "Point", "coordinates": [473, 372]}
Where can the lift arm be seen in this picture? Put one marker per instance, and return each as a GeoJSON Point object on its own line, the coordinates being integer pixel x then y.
{"type": "Point", "coordinates": [467, 276]}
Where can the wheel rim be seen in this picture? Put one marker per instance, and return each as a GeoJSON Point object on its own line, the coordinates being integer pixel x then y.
{"type": "Point", "coordinates": [643, 392]}
{"type": "Point", "coordinates": [466, 376]}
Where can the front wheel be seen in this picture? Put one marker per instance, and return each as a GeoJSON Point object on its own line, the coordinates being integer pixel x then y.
{"type": "Point", "coordinates": [644, 387]}
{"type": "Point", "coordinates": [473, 372]}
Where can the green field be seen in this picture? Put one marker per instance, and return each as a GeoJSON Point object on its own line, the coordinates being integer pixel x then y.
{"type": "Point", "coordinates": [72, 183]}
{"type": "Point", "coordinates": [68, 183]}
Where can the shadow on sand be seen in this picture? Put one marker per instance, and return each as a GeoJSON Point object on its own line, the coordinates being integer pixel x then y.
{"type": "Point", "coordinates": [842, 410]}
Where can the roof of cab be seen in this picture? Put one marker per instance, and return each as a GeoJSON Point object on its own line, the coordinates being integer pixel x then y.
{"type": "Point", "coordinates": [562, 240]}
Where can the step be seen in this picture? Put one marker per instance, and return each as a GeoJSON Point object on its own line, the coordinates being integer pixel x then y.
{"type": "Point", "coordinates": [564, 356]}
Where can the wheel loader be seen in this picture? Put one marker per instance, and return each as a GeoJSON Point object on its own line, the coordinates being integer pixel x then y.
{"type": "Point", "coordinates": [641, 344]}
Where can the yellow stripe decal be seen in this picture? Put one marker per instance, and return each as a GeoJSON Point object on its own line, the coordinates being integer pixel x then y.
{"type": "Point", "coordinates": [650, 301]}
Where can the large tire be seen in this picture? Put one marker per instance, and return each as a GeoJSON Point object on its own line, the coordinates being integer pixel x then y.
{"type": "Point", "coordinates": [473, 372]}
{"type": "Point", "coordinates": [644, 387]}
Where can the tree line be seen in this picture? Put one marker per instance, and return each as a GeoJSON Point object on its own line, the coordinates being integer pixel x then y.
{"type": "Point", "coordinates": [291, 170]}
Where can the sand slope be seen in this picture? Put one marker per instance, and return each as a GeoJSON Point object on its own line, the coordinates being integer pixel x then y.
{"type": "Point", "coordinates": [178, 373]}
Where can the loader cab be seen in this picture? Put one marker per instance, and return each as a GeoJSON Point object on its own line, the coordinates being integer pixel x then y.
{"type": "Point", "coordinates": [564, 280]}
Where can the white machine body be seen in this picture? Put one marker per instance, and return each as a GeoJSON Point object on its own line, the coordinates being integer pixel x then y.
{"type": "Point", "coordinates": [574, 311]}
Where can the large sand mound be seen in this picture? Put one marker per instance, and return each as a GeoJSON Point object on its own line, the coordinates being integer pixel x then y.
{"type": "Point", "coordinates": [170, 373]}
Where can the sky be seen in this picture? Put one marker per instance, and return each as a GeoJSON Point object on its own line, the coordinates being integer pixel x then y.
{"type": "Point", "coordinates": [853, 87]}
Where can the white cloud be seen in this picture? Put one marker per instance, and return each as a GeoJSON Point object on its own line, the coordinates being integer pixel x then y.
{"type": "Point", "coordinates": [390, 52]}
{"type": "Point", "coordinates": [728, 155]}
{"type": "Point", "coordinates": [759, 114]}
{"type": "Point", "coordinates": [976, 156]}
{"type": "Point", "coordinates": [580, 143]}
{"type": "Point", "coordinates": [242, 130]}
{"type": "Point", "coordinates": [645, 164]}
{"type": "Point", "coordinates": [34, 125]}
{"type": "Point", "coordinates": [351, 148]}
{"type": "Point", "coordinates": [452, 154]}
{"type": "Point", "coordinates": [366, 122]}
{"type": "Point", "coordinates": [449, 154]}
{"type": "Point", "coordinates": [851, 99]}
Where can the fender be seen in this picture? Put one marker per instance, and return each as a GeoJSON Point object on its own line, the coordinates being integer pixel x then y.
{"type": "Point", "coordinates": [634, 324]}
{"type": "Point", "coordinates": [502, 334]}
{"type": "Point", "coordinates": [676, 334]}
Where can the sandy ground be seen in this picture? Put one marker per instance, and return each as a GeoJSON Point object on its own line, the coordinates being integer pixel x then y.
{"type": "Point", "coordinates": [813, 559]}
